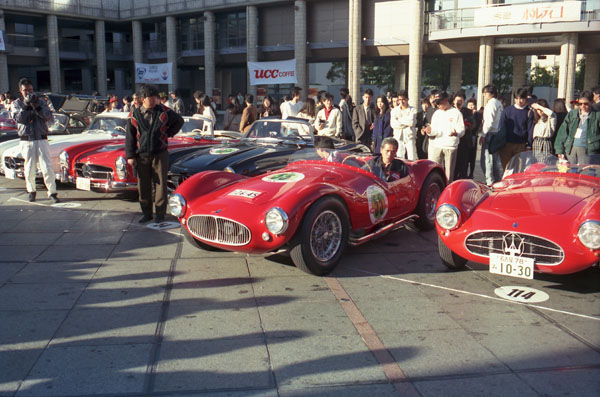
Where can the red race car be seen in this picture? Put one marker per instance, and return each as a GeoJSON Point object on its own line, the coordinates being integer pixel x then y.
{"type": "Point", "coordinates": [544, 216]}
{"type": "Point", "coordinates": [312, 208]}
{"type": "Point", "coordinates": [101, 165]}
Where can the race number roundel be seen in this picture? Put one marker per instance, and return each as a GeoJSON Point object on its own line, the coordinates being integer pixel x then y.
{"type": "Point", "coordinates": [223, 150]}
{"type": "Point", "coordinates": [518, 293]}
{"type": "Point", "coordinates": [284, 177]}
{"type": "Point", "coordinates": [66, 205]}
{"type": "Point", "coordinates": [378, 204]}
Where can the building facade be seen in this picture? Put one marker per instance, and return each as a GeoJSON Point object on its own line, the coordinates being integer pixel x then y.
{"type": "Point", "coordinates": [85, 45]}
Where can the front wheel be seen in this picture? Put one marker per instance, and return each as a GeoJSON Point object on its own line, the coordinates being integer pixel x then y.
{"type": "Point", "coordinates": [430, 193]}
{"type": "Point", "coordinates": [449, 258]}
{"type": "Point", "coordinates": [322, 237]}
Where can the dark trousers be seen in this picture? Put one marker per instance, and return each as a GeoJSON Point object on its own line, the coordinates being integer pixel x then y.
{"type": "Point", "coordinates": [153, 171]}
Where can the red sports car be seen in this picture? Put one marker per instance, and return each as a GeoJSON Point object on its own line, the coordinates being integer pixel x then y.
{"type": "Point", "coordinates": [102, 165]}
{"type": "Point", "coordinates": [544, 216]}
{"type": "Point", "coordinates": [312, 208]}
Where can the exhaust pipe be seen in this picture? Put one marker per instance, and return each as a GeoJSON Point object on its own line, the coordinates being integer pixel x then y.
{"type": "Point", "coordinates": [388, 228]}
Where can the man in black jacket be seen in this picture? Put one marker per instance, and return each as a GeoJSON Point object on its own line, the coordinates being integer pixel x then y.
{"type": "Point", "coordinates": [146, 144]}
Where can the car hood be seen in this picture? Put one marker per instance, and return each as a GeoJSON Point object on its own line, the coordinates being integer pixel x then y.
{"type": "Point", "coordinates": [543, 195]}
{"type": "Point", "coordinates": [221, 156]}
{"type": "Point", "coordinates": [249, 195]}
{"type": "Point", "coordinates": [106, 154]}
{"type": "Point", "coordinates": [58, 143]}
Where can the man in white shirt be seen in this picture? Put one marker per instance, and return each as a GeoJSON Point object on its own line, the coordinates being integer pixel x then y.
{"type": "Point", "coordinates": [490, 162]}
{"type": "Point", "coordinates": [292, 107]}
{"type": "Point", "coordinates": [403, 122]}
{"type": "Point", "coordinates": [447, 126]}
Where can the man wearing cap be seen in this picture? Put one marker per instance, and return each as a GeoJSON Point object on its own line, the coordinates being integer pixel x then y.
{"type": "Point", "coordinates": [146, 141]}
{"type": "Point", "coordinates": [176, 103]}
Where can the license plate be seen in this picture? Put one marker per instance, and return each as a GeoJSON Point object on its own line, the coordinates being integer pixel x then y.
{"type": "Point", "coordinates": [10, 173]}
{"type": "Point", "coordinates": [513, 266]}
{"type": "Point", "coordinates": [83, 183]}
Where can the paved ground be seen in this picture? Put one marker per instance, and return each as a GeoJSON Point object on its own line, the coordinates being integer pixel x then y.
{"type": "Point", "coordinates": [92, 303]}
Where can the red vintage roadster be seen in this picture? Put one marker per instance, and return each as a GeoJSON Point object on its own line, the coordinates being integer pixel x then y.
{"type": "Point", "coordinates": [311, 208]}
{"type": "Point", "coordinates": [544, 216]}
{"type": "Point", "coordinates": [101, 165]}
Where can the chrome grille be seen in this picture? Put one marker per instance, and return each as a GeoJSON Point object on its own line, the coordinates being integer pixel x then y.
{"type": "Point", "coordinates": [543, 251]}
{"type": "Point", "coordinates": [93, 171]}
{"type": "Point", "coordinates": [218, 230]}
{"type": "Point", "coordinates": [14, 163]}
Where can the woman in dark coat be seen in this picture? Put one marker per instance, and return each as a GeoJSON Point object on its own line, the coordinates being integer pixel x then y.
{"type": "Point", "coordinates": [381, 124]}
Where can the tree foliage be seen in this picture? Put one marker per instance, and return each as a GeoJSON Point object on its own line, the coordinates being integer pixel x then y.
{"type": "Point", "coordinates": [378, 73]}
{"type": "Point", "coordinates": [544, 76]}
{"type": "Point", "coordinates": [503, 74]}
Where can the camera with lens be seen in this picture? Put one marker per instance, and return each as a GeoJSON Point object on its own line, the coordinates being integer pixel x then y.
{"type": "Point", "coordinates": [32, 99]}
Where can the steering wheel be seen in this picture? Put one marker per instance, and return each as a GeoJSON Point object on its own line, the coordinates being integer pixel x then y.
{"type": "Point", "coordinates": [119, 128]}
{"type": "Point", "coordinates": [359, 159]}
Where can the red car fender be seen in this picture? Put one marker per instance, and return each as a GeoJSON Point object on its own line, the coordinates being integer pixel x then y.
{"type": "Point", "coordinates": [465, 195]}
{"type": "Point", "coordinates": [206, 182]}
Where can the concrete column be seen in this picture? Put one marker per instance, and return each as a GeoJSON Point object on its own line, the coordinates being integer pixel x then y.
{"type": "Point", "coordinates": [87, 80]}
{"type": "Point", "coordinates": [4, 80]}
{"type": "Point", "coordinates": [100, 39]}
{"type": "Point", "coordinates": [400, 77]}
{"type": "Point", "coordinates": [209, 52]}
{"type": "Point", "coordinates": [53, 53]}
{"type": "Point", "coordinates": [138, 48]}
{"type": "Point", "coordinates": [415, 52]}
{"type": "Point", "coordinates": [300, 45]}
{"type": "Point", "coordinates": [592, 69]}
{"type": "Point", "coordinates": [354, 49]}
{"type": "Point", "coordinates": [172, 49]}
{"type": "Point", "coordinates": [568, 63]}
{"type": "Point", "coordinates": [251, 42]}
{"type": "Point", "coordinates": [486, 66]}
{"type": "Point", "coordinates": [456, 66]}
{"type": "Point", "coordinates": [519, 71]}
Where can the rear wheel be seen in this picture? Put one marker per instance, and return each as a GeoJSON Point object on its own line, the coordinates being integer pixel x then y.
{"type": "Point", "coordinates": [322, 237]}
{"type": "Point", "coordinates": [449, 258]}
{"type": "Point", "coordinates": [430, 193]}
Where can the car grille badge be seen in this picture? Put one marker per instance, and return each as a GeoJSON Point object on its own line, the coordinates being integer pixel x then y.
{"type": "Point", "coordinates": [218, 211]}
{"type": "Point", "coordinates": [515, 225]}
{"type": "Point", "coordinates": [513, 244]}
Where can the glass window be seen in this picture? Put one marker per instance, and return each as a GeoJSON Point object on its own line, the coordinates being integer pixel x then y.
{"type": "Point", "coordinates": [231, 30]}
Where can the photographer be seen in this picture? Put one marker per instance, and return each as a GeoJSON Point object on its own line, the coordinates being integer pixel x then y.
{"type": "Point", "coordinates": [32, 115]}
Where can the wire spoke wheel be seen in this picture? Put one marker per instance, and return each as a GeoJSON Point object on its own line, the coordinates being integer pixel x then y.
{"type": "Point", "coordinates": [326, 236]}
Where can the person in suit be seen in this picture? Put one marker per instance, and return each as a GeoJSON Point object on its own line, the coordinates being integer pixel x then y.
{"type": "Point", "coordinates": [362, 119]}
{"type": "Point", "coordinates": [249, 114]}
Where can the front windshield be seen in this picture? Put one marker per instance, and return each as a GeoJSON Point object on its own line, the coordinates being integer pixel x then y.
{"type": "Point", "coordinates": [113, 125]}
{"type": "Point", "coordinates": [58, 122]}
{"type": "Point", "coordinates": [192, 126]}
{"type": "Point", "coordinates": [4, 114]}
{"type": "Point", "coordinates": [532, 161]}
{"type": "Point", "coordinates": [293, 131]}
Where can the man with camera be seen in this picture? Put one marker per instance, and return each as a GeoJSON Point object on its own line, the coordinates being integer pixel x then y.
{"type": "Point", "coordinates": [32, 115]}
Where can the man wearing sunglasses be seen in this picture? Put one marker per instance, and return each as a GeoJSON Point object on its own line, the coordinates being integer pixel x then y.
{"type": "Point", "coordinates": [578, 138]}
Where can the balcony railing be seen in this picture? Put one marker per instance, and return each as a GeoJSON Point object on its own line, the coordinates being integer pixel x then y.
{"type": "Point", "coordinates": [465, 17]}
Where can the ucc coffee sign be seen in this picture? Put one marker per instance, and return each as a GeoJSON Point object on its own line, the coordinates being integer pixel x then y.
{"type": "Point", "coordinates": [280, 72]}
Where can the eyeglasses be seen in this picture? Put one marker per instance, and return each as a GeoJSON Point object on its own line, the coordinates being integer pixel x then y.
{"type": "Point", "coordinates": [584, 104]}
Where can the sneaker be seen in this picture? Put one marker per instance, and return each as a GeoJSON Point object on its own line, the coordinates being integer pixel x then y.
{"type": "Point", "coordinates": [31, 196]}
{"type": "Point", "coordinates": [159, 219]}
{"type": "Point", "coordinates": [55, 198]}
{"type": "Point", "coordinates": [145, 218]}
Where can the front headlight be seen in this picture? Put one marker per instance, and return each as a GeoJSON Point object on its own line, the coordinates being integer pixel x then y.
{"type": "Point", "coordinates": [121, 167]}
{"type": "Point", "coordinates": [447, 216]}
{"type": "Point", "coordinates": [276, 220]}
{"type": "Point", "coordinates": [177, 205]}
{"type": "Point", "coordinates": [63, 158]}
{"type": "Point", "coordinates": [589, 234]}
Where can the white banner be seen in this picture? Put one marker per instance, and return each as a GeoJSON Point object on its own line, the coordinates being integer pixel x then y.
{"type": "Point", "coordinates": [2, 46]}
{"type": "Point", "coordinates": [280, 72]}
{"type": "Point", "coordinates": [528, 13]}
{"type": "Point", "coordinates": [154, 73]}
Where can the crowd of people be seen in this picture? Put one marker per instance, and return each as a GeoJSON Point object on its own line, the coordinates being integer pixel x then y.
{"type": "Point", "coordinates": [447, 129]}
